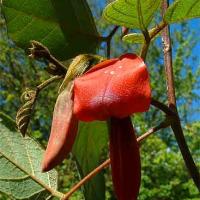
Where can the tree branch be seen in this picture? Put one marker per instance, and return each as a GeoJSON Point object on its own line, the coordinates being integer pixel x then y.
{"type": "Point", "coordinates": [163, 107]}
{"type": "Point", "coordinates": [108, 39]}
{"type": "Point", "coordinates": [176, 126]}
{"type": "Point", "coordinates": [106, 163]}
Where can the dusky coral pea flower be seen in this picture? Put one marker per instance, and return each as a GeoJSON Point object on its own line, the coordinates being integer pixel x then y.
{"type": "Point", "coordinates": [125, 159]}
{"type": "Point", "coordinates": [63, 130]}
{"type": "Point", "coordinates": [111, 90]}
{"type": "Point", "coordinates": [115, 89]}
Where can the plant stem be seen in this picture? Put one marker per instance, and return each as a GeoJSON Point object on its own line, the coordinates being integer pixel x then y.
{"type": "Point", "coordinates": [106, 163]}
{"type": "Point", "coordinates": [48, 82]}
{"type": "Point", "coordinates": [144, 50]}
{"type": "Point", "coordinates": [146, 44]}
{"type": "Point", "coordinates": [176, 126]}
{"type": "Point", "coordinates": [157, 29]}
{"type": "Point", "coordinates": [149, 36]}
{"type": "Point", "coordinates": [86, 178]}
{"type": "Point", "coordinates": [163, 107]}
{"type": "Point", "coordinates": [108, 40]}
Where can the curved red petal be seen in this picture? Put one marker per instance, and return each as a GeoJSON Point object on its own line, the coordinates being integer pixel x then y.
{"type": "Point", "coordinates": [117, 88]}
{"type": "Point", "coordinates": [125, 159]}
{"type": "Point", "coordinates": [63, 131]}
{"type": "Point", "coordinates": [102, 65]}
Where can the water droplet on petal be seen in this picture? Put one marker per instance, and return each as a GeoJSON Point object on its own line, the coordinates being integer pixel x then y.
{"type": "Point", "coordinates": [112, 72]}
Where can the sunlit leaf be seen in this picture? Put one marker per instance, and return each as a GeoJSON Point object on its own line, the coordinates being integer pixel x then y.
{"type": "Point", "coordinates": [136, 38]}
{"type": "Point", "coordinates": [20, 173]}
{"type": "Point", "coordinates": [182, 10]}
{"type": "Point", "coordinates": [131, 13]}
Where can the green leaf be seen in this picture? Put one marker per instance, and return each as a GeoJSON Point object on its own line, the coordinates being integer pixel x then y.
{"type": "Point", "coordinates": [77, 25]}
{"type": "Point", "coordinates": [20, 173]}
{"type": "Point", "coordinates": [7, 121]}
{"type": "Point", "coordinates": [182, 10]}
{"type": "Point", "coordinates": [131, 13]}
{"type": "Point", "coordinates": [91, 140]}
{"type": "Point", "coordinates": [38, 20]}
{"type": "Point", "coordinates": [136, 38]}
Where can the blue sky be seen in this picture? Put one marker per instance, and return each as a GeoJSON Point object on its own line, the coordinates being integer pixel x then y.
{"type": "Point", "coordinates": [195, 26]}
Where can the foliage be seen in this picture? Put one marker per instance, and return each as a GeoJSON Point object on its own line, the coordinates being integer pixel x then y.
{"type": "Point", "coordinates": [26, 21]}
{"type": "Point", "coordinates": [164, 173]}
{"type": "Point", "coordinates": [131, 14]}
{"type": "Point", "coordinates": [19, 166]}
{"type": "Point", "coordinates": [181, 10]}
{"type": "Point", "coordinates": [87, 151]}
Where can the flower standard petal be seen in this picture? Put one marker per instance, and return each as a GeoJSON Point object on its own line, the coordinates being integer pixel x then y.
{"type": "Point", "coordinates": [117, 89]}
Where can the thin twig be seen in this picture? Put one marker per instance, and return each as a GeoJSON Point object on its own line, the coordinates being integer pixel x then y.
{"type": "Point", "coordinates": [146, 44]}
{"type": "Point", "coordinates": [111, 34]}
{"type": "Point", "coordinates": [86, 178]}
{"type": "Point", "coordinates": [163, 107]}
{"type": "Point", "coordinates": [145, 31]}
{"type": "Point", "coordinates": [125, 31]}
{"type": "Point", "coordinates": [108, 40]}
{"type": "Point", "coordinates": [176, 126]}
{"type": "Point", "coordinates": [144, 50]}
{"type": "Point", "coordinates": [48, 82]}
{"type": "Point", "coordinates": [106, 163]}
{"type": "Point", "coordinates": [157, 29]}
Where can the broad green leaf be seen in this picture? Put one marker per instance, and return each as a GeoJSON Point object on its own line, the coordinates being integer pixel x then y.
{"type": "Point", "coordinates": [131, 13]}
{"type": "Point", "coordinates": [136, 38]}
{"type": "Point", "coordinates": [77, 25]}
{"type": "Point", "coordinates": [91, 140]}
{"type": "Point", "coordinates": [20, 173]}
{"type": "Point", "coordinates": [182, 10]}
{"type": "Point", "coordinates": [40, 20]}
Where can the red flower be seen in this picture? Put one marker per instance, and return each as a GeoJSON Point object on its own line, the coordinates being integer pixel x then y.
{"type": "Point", "coordinates": [125, 159]}
{"type": "Point", "coordinates": [63, 131]}
{"type": "Point", "coordinates": [113, 89]}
